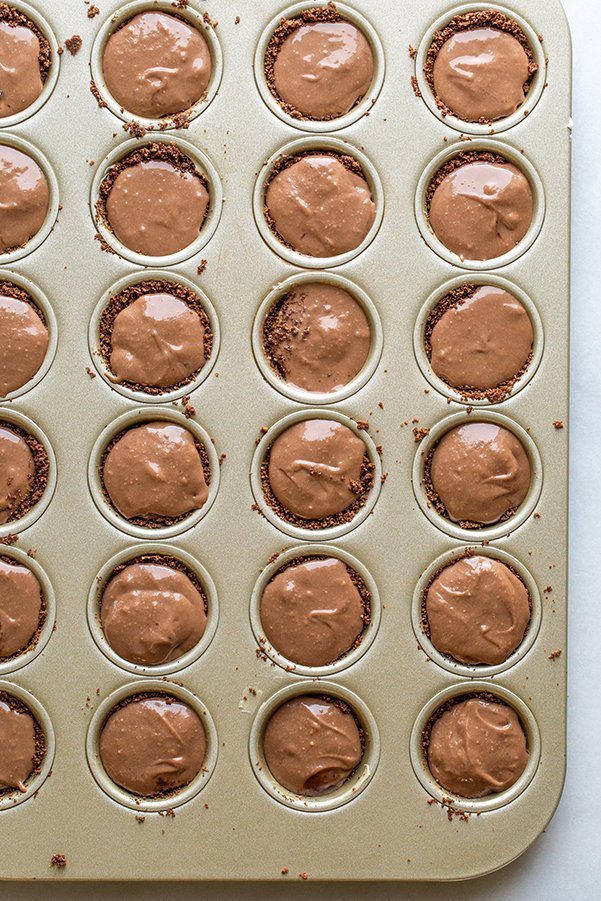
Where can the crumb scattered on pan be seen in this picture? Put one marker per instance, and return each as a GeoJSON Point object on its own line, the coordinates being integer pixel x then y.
{"type": "Point", "coordinates": [415, 86]}
{"type": "Point", "coordinates": [73, 44]}
{"type": "Point", "coordinates": [554, 655]}
{"type": "Point", "coordinates": [93, 11]}
{"type": "Point", "coordinates": [90, 372]}
{"type": "Point", "coordinates": [9, 540]}
{"type": "Point", "coordinates": [237, 20]}
{"type": "Point", "coordinates": [303, 875]}
{"type": "Point", "coordinates": [420, 434]}
{"type": "Point", "coordinates": [558, 424]}
{"type": "Point", "coordinates": [412, 51]}
{"type": "Point", "coordinates": [284, 871]}
{"type": "Point", "coordinates": [59, 861]}
{"type": "Point", "coordinates": [140, 818]}
{"type": "Point", "coordinates": [202, 267]}
{"type": "Point", "coordinates": [96, 94]}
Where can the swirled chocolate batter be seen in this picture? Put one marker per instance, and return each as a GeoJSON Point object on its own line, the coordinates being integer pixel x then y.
{"type": "Point", "coordinates": [318, 65]}
{"type": "Point", "coordinates": [155, 200]}
{"type": "Point", "coordinates": [479, 340]}
{"type": "Point", "coordinates": [312, 744]}
{"type": "Point", "coordinates": [480, 66]}
{"type": "Point", "coordinates": [25, 58]}
{"type": "Point", "coordinates": [155, 335]}
{"type": "Point", "coordinates": [23, 338]}
{"type": "Point", "coordinates": [22, 745]}
{"type": "Point", "coordinates": [152, 745]}
{"type": "Point", "coordinates": [156, 65]}
{"type": "Point", "coordinates": [477, 747]}
{"type": "Point", "coordinates": [477, 610]}
{"type": "Point", "coordinates": [320, 204]}
{"type": "Point", "coordinates": [152, 611]}
{"type": "Point", "coordinates": [25, 198]}
{"type": "Point", "coordinates": [23, 472]}
{"type": "Point", "coordinates": [480, 206]}
{"type": "Point", "coordinates": [154, 474]}
{"type": "Point", "coordinates": [317, 337]}
{"type": "Point", "coordinates": [317, 473]}
{"type": "Point", "coordinates": [21, 607]}
{"type": "Point", "coordinates": [314, 610]}
{"type": "Point", "coordinates": [479, 473]}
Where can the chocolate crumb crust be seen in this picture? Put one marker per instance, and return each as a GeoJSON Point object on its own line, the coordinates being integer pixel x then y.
{"type": "Point", "coordinates": [364, 592]}
{"type": "Point", "coordinates": [9, 289]}
{"type": "Point", "coordinates": [440, 508]}
{"type": "Point", "coordinates": [152, 522]}
{"type": "Point", "coordinates": [285, 28]}
{"type": "Point", "coordinates": [167, 152]}
{"type": "Point", "coordinates": [361, 488]}
{"type": "Point", "coordinates": [155, 560]}
{"type": "Point", "coordinates": [11, 561]}
{"type": "Point", "coordinates": [463, 158]}
{"type": "Point", "coordinates": [288, 159]}
{"type": "Point", "coordinates": [40, 739]}
{"type": "Point", "coordinates": [168, 698]}
{"type": "Point", "coordinates": [41, 464]}
{"type": "Point", "coordinates": [482, 18]}
{"type": "Point", "coordinates": [468, 552]}
{"type": "Point", "coordinates": [282, 323]}
{"type": "Point", "coordinates": [451, 301]}
{"type": "Point", "coordinates": [489, 696]}
{"type": "Point", "coordinates": [124, 298]}
{"type": "Point", "coordinates": [14, 18]}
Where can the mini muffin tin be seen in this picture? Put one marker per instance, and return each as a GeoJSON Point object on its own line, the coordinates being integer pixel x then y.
{"type": "Point", "coordinates": [390, 820]}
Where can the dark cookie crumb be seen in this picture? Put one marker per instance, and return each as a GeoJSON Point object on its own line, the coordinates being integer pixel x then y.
{"type": "Point", "coordinates": [202, 266]}
{"type": "Point", "coordinates": [73, 44]}
{"type": "Point", "coordinates": [93, 11]}
{"type": "Point", "coordinates": [554, 655]}
{"type": "Point", "coordinates": [415, 87]}
{"type": "Point", "coordinates": [59, 861]}
{"type": "Point", "coordinates": [97, 95]}
{"type": "Point", "coordinates": [558, 424]}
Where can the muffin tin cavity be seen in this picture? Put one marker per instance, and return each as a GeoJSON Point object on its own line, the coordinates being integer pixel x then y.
{"type": "Point", "coordinates": [126, 291]}
{"type": "Point", "coordinates": [187, 14]}
{"type": "Point", "coordinates": [420, 623]}
{"type": "Point", "coordinates": [461, 16]}
{"type": "Point", "coordinates": [264, 77]}
{"type": "Point", "coordinates": [461, 287]}
{"type": "Point", "coordinates": [165, 555]}
{"type": "Point", "coordinates": [358, 780]}
{"type": "Point", "coordinates": [140, 417]}
{"type": "Point", "coordinates": [21, 289]}
{"type": "Point", "coordinates": [18, 698]}
{"type": "Point", "coordinates": [292, 153]}
{"type": "Point", "coordinates": [451, 159]}
{"type": "Point", "coordinates": [180, 154]}
{"type": "Point", "coordinates": [43, 482]}
{"type": "Point", "coordinates": [372, 608]}
{"type": "Point", "coordinates": [463, 691]}
{"type": "Point", "coordinates": [294, 285]}
{"type": "Point", "coordinates": [424, 492]}
{"type": "Point", "coordinates": [40, 638]}
{"type": "Point", "coordinates": [169, 800]}
{"type": "Point", "coordinates": [327, 528]}
{"type": "Point", "coordinates": [12, 254]}
{"type": "Point", "coordinates": [49, 59]}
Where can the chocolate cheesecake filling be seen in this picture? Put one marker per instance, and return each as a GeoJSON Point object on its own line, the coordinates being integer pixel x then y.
{"type": "Point", "coordinates": [152, 745]}
{"type": "Point", "coordinates": [26, 58]}
{"type": "Point", "coordinates": [479, 205]}
{"type": "Point", "coordinates": [475, 746]}
{"type": "Point", "coordinates": [156, 64]}
{"type": "Point", "coordinates": [315, 610]}
{"type": "Point", "coordinates": [24, 466]}
{"type": "Point", "coordinates": [23, 338]}
{"type": "Point", "coordinates": [318, 66]}
{"type": "Point", "coordinates": [25, 198]}
{"type": "Point", "coordinates": [313, 744]}
{"type": "Point", "coordinates": [22, 608]}
{"type": "Point", "coordinates": [22, 744]}
{"type": "Point", "coordinates": [319, 203]}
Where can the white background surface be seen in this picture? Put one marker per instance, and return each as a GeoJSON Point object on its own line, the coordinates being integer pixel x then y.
{"type": "Point", "coordinates": [565, 863]}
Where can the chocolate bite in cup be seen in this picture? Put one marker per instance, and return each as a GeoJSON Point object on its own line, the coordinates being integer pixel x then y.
{"type": "Point", "coordinates": [318, 65]}
{"type": "Point", "coordinates": [316, 337]}
{"type": "Point", "coordinates": [155, 474]}
{"type": "Point", "coordinates": [315, 610]}
{"type": "Point", "coordinates": [25, 198]}
{"type": "Point", "coordinates": [476, 610]}
{"type": "Point", "coordinates": [157, 64]}
{"type": "Point", "coordinates": [154, 336]}
{"type": "Point", "coordinates": [480, 67]}
{"type": "Point", "coordinates": [478, 474]}
{"type": "Point", "coordinates": [26, 58]}
{"type": "Point", "coordinates": [313, 744]}
{"type": "Point", "coordinates": [154, 200]}
{"type": "Point", "coordinates": [479, 340]}
{"type": "Point", "coordinates": [22, 745]}
{"type": "Point", "coordinates": [475, 746]}
{"type": "Point", "coordinates": [24, 466]}
{"type": "Point", "coordinates": [317, 474]}
{"type": "Point", "coordinates": [319, 203]}
{"type": "Point", "coordinates": [23, 338]}
{"type": "Point", "coordinates": [479, 205]}
{"type": "Point", "coordinates": [22, 609]}
{"type": "Point", "coordinates": [153, 610]}
{"type": "Point", "coordinates": [152, 744]}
